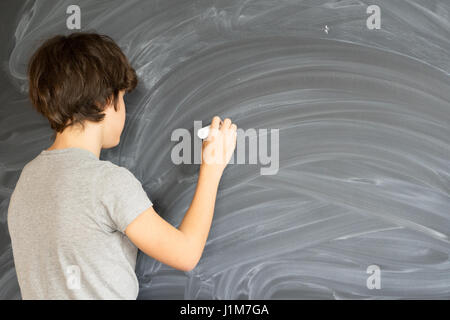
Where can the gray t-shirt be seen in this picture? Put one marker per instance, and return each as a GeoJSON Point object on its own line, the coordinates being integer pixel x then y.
{"type": "Point", "coordinates": [66, 219]}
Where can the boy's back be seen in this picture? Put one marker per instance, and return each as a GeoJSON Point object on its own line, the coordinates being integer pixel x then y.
{"type": "Point", "coordinates": [67, 218]}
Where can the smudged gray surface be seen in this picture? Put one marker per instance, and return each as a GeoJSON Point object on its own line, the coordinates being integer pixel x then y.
{"type": "Point", "coordinates": [364, 120]}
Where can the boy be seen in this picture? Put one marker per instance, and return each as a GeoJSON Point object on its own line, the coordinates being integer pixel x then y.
{"type": "Point", "coordinates": [76, 221]}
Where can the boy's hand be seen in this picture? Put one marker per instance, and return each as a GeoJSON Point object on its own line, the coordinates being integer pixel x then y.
{"type": "Point", "coordinates": [218, 148]}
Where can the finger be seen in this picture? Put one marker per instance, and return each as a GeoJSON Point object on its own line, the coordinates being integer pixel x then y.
{"type": "Point", "coordinates": [226, 124]}
{"type": "Point", "coordinates": [233, 127]}
{"type": "Point", "coordinates": [215, 122]}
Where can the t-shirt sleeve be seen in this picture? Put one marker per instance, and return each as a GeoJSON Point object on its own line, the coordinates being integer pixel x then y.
{"type": "Point", "coordinates": [122, 196]}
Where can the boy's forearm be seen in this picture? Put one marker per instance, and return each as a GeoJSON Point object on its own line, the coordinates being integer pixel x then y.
{"type": "Point", "coordinates": [197, 221]}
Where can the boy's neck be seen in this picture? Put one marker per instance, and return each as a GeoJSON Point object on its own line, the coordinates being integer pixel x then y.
{"type": "Point", "coordinates": [75, 137]}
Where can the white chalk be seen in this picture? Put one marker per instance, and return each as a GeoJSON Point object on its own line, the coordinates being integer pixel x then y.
{"type": "Point", "coordinates": [203, 132]}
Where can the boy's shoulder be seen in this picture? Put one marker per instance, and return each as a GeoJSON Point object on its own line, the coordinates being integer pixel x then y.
{"type": "Point", "coordinates": [111, 172]}
{"type": "Point", "coordinates": [90, 165]}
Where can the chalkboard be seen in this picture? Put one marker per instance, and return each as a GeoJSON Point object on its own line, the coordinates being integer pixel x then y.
{"type": "Point", "coordinates": [360, 94]}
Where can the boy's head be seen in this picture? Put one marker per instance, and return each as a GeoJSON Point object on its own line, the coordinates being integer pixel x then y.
{"type": "Point", "coordinates": [81, 77]}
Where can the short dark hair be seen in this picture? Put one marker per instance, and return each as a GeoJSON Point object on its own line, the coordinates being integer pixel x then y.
{"type": "Point", "coordinates": [73, 77]}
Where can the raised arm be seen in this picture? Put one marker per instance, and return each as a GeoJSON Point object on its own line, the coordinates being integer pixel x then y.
{"type": "Point", "coordinates": [182, 248]}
